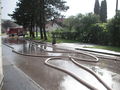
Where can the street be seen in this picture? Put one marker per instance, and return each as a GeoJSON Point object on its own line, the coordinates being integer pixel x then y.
{"type": "Point", "coordinates": [48, 78]}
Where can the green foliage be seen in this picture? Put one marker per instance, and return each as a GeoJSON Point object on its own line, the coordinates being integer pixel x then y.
{"type": "Point", "coordinates": [114, 30]}
{"type": "Point", "coordinates": [69, 22]}
{"type": "Point", "coordinates": [84, 24]}
{"type": "Point", "coordinates": [79, 27]}
{"type": "Point", "coordinates": [65, 35]}
{"type": "Point", "coordinates": [35, 13]}
{"type": "Point", "coordinates": [88, 29]}
{"type": "Point", "coordinates": [103, 11]}
{"type": "Point", "coordinates": [99, 34]}
{"type": "Point", "coordinates": [81, 22]}
{"type": "Point", "coordinates": [32, 9]}
{"type": "Point", "coordinates": [97, 7]}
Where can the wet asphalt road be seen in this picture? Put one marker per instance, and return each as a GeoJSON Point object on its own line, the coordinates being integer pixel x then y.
{"type": "Point", "coordinates": [51, 79]}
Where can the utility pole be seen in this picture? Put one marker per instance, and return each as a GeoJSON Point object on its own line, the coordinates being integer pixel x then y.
{"type": "Point", "coordinates": [116, 8]}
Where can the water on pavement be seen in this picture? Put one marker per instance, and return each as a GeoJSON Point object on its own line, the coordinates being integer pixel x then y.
{"type": "Point", "coordinates": [51, 79]}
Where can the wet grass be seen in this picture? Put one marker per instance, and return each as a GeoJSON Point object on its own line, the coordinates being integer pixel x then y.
{"type": "Point", "coordinates": [112, 48]}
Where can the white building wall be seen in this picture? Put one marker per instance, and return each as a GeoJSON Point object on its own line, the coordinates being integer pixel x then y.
{"type": "Point", "coordinates": [1, 70]}
{"type": "Point", "coordinates": [53, 27]}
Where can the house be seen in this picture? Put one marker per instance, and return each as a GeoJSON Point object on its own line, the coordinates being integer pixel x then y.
{"type": "Point", "coordinates": [54, 24]}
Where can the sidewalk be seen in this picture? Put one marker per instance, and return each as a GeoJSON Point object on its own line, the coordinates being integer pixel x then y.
{"type": "Point", "coordinates": [77, 46]}
{"type": "Point", "coordinates": [15, 79]}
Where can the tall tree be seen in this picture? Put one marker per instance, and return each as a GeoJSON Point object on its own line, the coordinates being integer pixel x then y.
{"type": "Point", "coordinates": [32, 13]}
{"type": "Point", "coordinates": [97, 7]}
{"type": "Point", "coordinates": [103, 11]}
{"type": "Point", "coordinates": [24, 14]}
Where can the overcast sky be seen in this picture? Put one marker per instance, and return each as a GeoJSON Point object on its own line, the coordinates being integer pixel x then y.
{"type": "Point", "coordinates": [76, 6]}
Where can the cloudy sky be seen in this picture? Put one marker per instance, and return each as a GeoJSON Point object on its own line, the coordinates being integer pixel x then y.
{"type": "Point", "coordinates": [76, 6]}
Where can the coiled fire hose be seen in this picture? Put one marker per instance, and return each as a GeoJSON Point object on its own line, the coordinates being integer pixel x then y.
{"type": "Point", "coordinates": [73, 59]}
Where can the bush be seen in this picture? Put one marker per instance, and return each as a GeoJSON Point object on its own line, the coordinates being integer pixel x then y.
{"type": "Point", "coordinates": [98, 34]}
{"type": "Point", "coordinates": [114, 30]}
{"type": "Point", "coordinates": [88, 29]}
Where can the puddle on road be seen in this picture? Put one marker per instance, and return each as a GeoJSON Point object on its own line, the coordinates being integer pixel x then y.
{"type": "Point", "coordinates": [113, 79]}
{"type": "Point", "coordinates": [70, 83]}
{"type": "Point", "coordinates": [54, 54]}
{"type": "Point", "coordinates": [45, 47]}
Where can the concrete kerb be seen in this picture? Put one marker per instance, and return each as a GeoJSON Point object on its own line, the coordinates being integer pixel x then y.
{"type": "Point", "coordinates": [116, 59]}
{"type": "Point", "coordinates": [7, 45]}
{"type": "Point", "coordinates": [45, 56]}
{"type": "Point", "coordinates": [72, 59]}
{"type": "Point", "coordinates": [97, 51]}
{"type": "Point", "coordinates": [30, 79]}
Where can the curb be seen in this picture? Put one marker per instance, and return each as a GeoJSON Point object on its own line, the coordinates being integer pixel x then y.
{"type": "Point", "coordinates": [29, 78]}
{"type": "Point", "coordinates": [97, 51]}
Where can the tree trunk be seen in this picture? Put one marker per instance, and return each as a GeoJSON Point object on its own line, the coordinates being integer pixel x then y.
{"type": "Point", "coordinates": [36, 31]}
{"type": "Point", "coordinates": [43, 19]}
{"type": "Point", "coordinates": [41, 33]}
{"type": "Point", "coordinates": [44, 31]}
{"type": "Point", "coordinates": [31, 30]}
{"type": "Point", "coordinates": [33, 34]}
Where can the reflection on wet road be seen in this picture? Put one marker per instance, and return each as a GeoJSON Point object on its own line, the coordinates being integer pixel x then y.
{"type": "Point", "coordinates": [51, 79]}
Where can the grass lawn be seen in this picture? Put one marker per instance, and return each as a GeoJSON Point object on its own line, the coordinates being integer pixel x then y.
{"type": "Point", "coordinates": [117, 49]}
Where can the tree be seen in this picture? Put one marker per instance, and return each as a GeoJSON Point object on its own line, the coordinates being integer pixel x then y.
{"type": "Point", "coordinates": [103, 11]}
{"type": "Point", "coordinates": [97, 8]}
{"type": "Point", "coordinates": [24, 15]}
{"type": "Point", "coordinates": [33, 13]}
{"type": "Point", "coordinates": [82, 24]}
{"type": "Point", "coordinates": [114, 29]}
{"type": "Point", "coordinates": [69, 22]}
{"type": "Point", "coordinates": [85, 25]}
